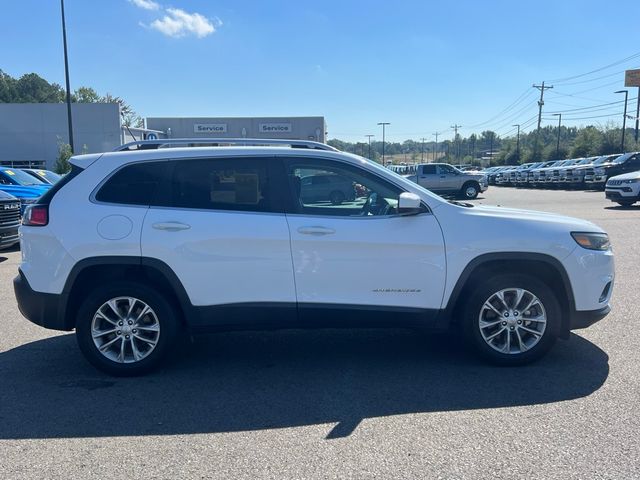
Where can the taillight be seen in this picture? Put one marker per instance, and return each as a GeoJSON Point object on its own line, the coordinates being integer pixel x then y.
{"type": "Point", "coordinates": [36, 216]}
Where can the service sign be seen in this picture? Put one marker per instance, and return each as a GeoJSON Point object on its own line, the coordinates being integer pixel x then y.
{"type": "Point", "coordinates": [209, 128]}
{"type": "Point", "coordinates": [275, 128]}
{"type": "Point", "coordinates": [632, 78]}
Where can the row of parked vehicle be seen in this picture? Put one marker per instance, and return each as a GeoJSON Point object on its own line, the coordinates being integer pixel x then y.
{"type": "Point", "coordinates": [19, 187]}
{"type": "Point", "coordinates": [579, 173]}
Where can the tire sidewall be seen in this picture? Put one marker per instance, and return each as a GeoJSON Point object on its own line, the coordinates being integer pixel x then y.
{"type": "Point", "coordinates": [464, 190]}
{"type": "Point", "coordinates": [484, 291]}
{"type": "Point", "coordinates": [164, 311]}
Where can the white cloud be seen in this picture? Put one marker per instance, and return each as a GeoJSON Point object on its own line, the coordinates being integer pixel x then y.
{"type": "Point", "coordinates": [178, 23]}
{"type": "Point", "coordinates": [146, 4]}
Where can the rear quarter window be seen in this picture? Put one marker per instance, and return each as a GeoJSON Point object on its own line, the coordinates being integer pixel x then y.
{"type": "Point", "coordinates": [135, 184]}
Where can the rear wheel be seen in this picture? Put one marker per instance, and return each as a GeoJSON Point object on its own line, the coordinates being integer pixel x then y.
{"type": "Point", "coordinates": [512, 319]}
{"type": "Point", "coordinates": [126, 328]}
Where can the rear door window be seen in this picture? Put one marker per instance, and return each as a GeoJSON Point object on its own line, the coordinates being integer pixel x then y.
{"type": "Point", "coordinates": [239, 184]}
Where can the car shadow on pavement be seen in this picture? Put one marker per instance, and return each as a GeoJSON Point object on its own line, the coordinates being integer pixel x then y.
{"type": "Point", "coordinates": [623, 207]}
{"type": "Point", "coordinates": [251, 381]}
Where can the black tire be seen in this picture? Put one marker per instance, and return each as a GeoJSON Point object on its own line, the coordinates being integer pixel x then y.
{"type": "Point", "coordinates": [484, 291]}
{"type": "Point", "coordinates": [337, 197]}
{"type": "Point", "coordinates": [625, 204]}
{"type": "Point", "coordinates": [165, 314]}
{"type": "Point", "coordinates": [470, 191]}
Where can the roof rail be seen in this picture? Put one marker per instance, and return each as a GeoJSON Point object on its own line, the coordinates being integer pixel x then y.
{"type": "Point", "coordinates": [217, 142]}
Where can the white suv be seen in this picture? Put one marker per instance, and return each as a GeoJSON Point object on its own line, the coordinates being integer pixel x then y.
{"type": "Point", "coordinates": [624, 189]}
{"type": "Point", "coordinates": [132, 247]}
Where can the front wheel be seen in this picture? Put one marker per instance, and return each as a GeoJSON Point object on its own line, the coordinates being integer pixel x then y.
{"type": "Point", "coordinates": [470, 191]}
{"type": "Point", "coordinates": [625, 204]}
{"type": "Point", "coordinates": [126, 328]}
{"type": "Point", "coordinates": [512, 319]}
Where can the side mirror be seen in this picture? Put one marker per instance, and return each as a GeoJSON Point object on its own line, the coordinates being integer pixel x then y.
{"type": "Point", "coordinates": [409, 204]}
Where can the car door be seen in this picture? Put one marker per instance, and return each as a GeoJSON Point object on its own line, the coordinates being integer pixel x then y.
{"type": "Point", "coordinates": [360, 258]}
{"type": "Point", "coordinates": [428, 177]}
{"type": "Point", "coordinates": [219, 226]}
{"type": "Point", "coordinates": [449, 179]}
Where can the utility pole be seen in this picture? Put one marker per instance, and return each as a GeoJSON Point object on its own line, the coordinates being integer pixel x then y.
{"type": "Point", "coordinates": [491, 149]}
{"type": "Point", "coordinates": [66, 73]}
{"type": "Point", "coordinates": [517, 142]}
{"type": "Point", "coordinates": [542, 88]}
{"type": "Point", "coordinates": [369, 137]}
{"type": "Point", "coordinates": [455, 139]}
{"type": "Point", "coordinates": [422, 150]}
{"type": "Point", "coordinates": [624, 116]}
{"type": "Point", "coordinates": [384, 124]}
{"type": "Point", "coordinates": [435, 148]}
{"type": "Point", "coordinates": [473, 147]}
{"type": "Point", "coordinates": [559, 115]}
{"type": "Point", "coordinates": [637, 115]}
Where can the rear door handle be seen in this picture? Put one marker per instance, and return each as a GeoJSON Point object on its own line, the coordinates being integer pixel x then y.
{"type": "Point", "coordinates": [171, 226]}
{"type": "Point", "coordinates": [314, 230]}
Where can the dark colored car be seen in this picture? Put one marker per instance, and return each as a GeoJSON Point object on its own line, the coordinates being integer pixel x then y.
{"type": "Point", "coordinates": [9, 220]}
{"type": "Point", "coordinates": [597, 176]}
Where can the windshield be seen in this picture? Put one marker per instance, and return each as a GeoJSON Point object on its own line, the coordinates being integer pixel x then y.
{"type": "Point", "coordinates": [19, 177]}
{"type": "Point", "coordinates": [48, 175]}
{"type": "Point", "coordinates": [623, 158]}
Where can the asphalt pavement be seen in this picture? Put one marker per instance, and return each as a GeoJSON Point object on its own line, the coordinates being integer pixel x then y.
{"type": "Point", "coordinates": [335, 404]}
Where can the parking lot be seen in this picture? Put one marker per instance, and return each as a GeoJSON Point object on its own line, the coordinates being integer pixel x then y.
{"type": "Point", "coordinates": [336, 404]}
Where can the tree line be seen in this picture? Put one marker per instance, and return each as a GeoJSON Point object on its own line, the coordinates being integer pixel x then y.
{"type": "Point", "coordinates": [32, 88]}
{"type": "Point", "coordinates": [575, 142]}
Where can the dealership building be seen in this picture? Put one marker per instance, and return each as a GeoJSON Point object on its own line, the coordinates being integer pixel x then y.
{"type": "Point", "coordinates": [30, 133]}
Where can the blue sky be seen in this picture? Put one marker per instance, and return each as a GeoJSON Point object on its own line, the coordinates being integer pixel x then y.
{"type": "Point", "coordinates": [422, 66]}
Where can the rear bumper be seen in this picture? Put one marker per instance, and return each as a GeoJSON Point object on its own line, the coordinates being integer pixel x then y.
{"type": "Point", "coordinates": [586, 318]}
{"type": "Point", "coordinates": [44, 309]}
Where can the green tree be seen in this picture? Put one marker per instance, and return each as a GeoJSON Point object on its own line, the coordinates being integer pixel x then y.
{"type": "Point", "coordinates": [64, 154]}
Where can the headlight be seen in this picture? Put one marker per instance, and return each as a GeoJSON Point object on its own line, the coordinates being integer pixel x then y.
{"type": "Point", "coordinates": [633, 180]}
{"type": "Point", "coordinates": [592, 241]}
{"type": "Point", "coordinates": [599, 171]}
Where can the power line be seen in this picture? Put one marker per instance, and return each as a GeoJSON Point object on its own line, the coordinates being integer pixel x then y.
{"type": "Point", "coordinates": [630, 57]}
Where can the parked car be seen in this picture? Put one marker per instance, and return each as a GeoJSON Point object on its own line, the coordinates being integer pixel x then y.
{"type": "Point", "coordinates": [624, 189]}
{"type": "Point", "coordinates": [171, 239]}
{"type": "Point", "coordinates": [327, 187]}
{"type": "Point", "coordinates": [9, 220]}
{"type": "Point", "coordinates": [21, 185]}
{"type": "Point", "coordinates": [46, 176]}
{"type": "Point", "coordinates": [445, 179]}
{"type": "Point", "coordinates": [572, 176]}
{"type": "Point", "coordinates": [597, 175]}
{"type": "Point", "coordinates": [538, 175]}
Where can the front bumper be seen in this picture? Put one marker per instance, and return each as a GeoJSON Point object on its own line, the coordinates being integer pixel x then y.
{"type": "Point", "coordinates": [9, 236]}
{"type": "Point", "coordinates": [586, 318]}
{"type": "Point", "coordinates": [44, 309]}
{"type": "Point", "coordinates": [626, 192]}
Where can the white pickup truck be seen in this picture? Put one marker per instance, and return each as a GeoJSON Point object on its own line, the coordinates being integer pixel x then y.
{"type": "Point", "coordinates": [443, 178]}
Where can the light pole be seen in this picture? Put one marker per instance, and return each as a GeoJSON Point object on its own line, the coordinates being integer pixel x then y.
{"type": "Point", "coordinates": [517, 142]}
{"type": "Point", "coordinates": [559, 115]}
{"type": "Point", "coordinates": [422, 150]}
{"type": "Point", "coordinates": [384, 124]}
{"type": "Point", "coordinates": [369, 137]}
{"type": "Point", "coordinates": [624, 115]}
{"type": "Point", "coordinates": [66, 73]}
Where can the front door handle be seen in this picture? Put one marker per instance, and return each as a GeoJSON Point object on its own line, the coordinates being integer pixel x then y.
{"type": "Point", "coordinates": [318, 231]}
{"type": "Point", "coordinates": [171, 226]}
